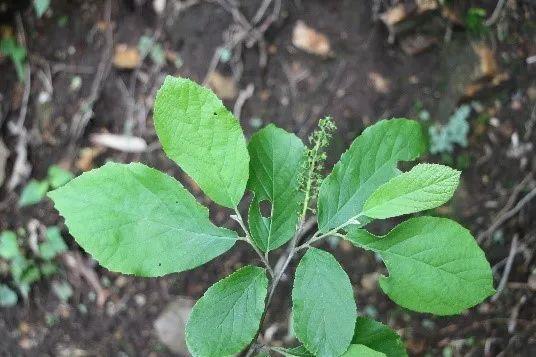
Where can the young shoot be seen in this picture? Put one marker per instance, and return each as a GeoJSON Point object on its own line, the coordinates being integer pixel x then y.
{"type": "Point", "coordinates": [136, 220]}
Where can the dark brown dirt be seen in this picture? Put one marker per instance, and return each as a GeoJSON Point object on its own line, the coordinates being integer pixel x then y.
{"type": "Point", "coordinates": [339, 86]}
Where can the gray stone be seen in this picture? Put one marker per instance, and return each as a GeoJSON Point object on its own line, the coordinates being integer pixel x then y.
{"type": "Point", "coordinates": [170, 325]}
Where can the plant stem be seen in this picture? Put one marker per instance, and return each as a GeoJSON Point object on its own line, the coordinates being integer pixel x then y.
{"type": "Point", "coordinates": [317, 236]}
{"type": "Point", "coordinates": [275, 282]}
{"type": "Point", "coordinates": [264, 258]}
{"type": "Point", "coordinates": [292, 250]}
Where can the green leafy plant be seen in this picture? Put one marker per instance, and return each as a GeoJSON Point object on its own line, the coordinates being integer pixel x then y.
{"type": "Point", "coordinates": [10, 48]}
{"type": "Point", "coordinates": [148, 47]}
{"type": "Point", "coordinates": [27, 267]}
{"type": "Point", "coordinates": [41, 6]}
{"type": "Point", "coordinates": [136, 220]}
{"type": "Point", "coordinates": [475, 21]}
{"type": "Point", "coordinates": [443, 138]}
{"type": "Point", "coordinates": [36, 190]}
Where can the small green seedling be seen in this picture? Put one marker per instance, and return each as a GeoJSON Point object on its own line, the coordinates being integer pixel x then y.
{"type": "Point", "coordinates": [148, 47]}
{"type": "Point", "coordinates": [444, 138]}
{"type": "Point", "coordinates": [136, 220]}
{"type": "Point", "coordinates": [10, 48]}
{"type": "Point", "coordinates": [40, 7]}
{"type": "Point", "coordinates": [26, 268]}
{"type": "Point", "coordinates": [475, 21]}
{"type": "Point", "coordinates": [36, 190]}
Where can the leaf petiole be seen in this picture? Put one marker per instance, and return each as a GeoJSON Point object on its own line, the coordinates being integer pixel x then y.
{"type": "Point", "coordinates": [334, 232]}
{"type": "Point", "coordinates": [264, 258]}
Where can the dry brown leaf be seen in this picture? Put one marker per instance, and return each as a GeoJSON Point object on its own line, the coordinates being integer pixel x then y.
{"type": "Point", "coordinates": [452, 15]}
{"type": "Point", "coordinates": [86, 158]}
{"type": "Point", "coordinates": [472, 89]}
{"type": "Point", "coordinates": [395, 15]}
{"type": "Point", "coordinates": [416, 44]}
{"type": "Point", "coordinates": [126, 57]}
{"type": "Point", "coordinates": [102, 26]}
{"type": "Point", "coordinates": [310, 40]}
{"type": "Point", "coordinates": [224, 86]}
{"type": "Point", "coordinates": [369, 282]}
{"type": "Point", "coordinates": [488, 64]}
{"type": "Point", "coordinates": [415, 346]}
{"type": "Point", "coordinates": [426, 5]}
{"type": "Point", "coordinates": [380, 83]}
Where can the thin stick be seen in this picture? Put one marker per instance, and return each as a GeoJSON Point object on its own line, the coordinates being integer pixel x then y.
{"type": "Point", "coordinates": [85, 111]}
{"type": "Point", "coordinates": [507, 268]}
{"type": "Point", "coordinates": [495, 15]}
{"type": "Point", "coordinates": [243, 96]}
{"type": "Point", "coordinates": [21, 167]}
{"type": "Point", "coordinates": [261, 11]}
{"type": "Point", "coordinates": [250, 33]}
{"type": "Point", "coordinates": [529, 125]}
{"type": "Point", "coordinates": [512, 322]}
{"type": "Point", "coordinates": [507, 215]}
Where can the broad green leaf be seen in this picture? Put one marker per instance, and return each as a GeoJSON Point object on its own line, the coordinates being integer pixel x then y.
{"type": "Point", "coordinates": [276, 158]}
{"type": "Point", "coordinates": [225, 320]}
{"type": "Point", "coordinates": [434, 265]}
{"type": "Point", "coordinates": [9, 247]}
{"type": "Point", "coordinates": [8, 297]}
{"type": "Point", "coordinates": [53, 245]}
{"type": "Point", "coordinates": [323, 304]}
{"type": "Point", "coordinates": [204, 138]}
{"type": "Point", "coordinates": [370, 161]}
{"type": "Point", "coordinates": [33, 193]}
{"type": "Point", "coordinates": [137, 220]}
{"type": "Point", "coordinates": [362, 351]}
{"type": "Point", "coordinates": [58, 177]}
{"type": "Point", "coordinates": [378, 337]}
{"type": "Point", "coordinates": [426, 186]}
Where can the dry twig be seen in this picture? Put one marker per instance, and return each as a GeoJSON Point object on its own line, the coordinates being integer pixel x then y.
{"type": "Point", "coordinates": [244, 95]}
{"type": "Point", "coordinates": [21, 167]}
{"type": "Point", "coordinates": [85, 111]}
{"type": "Point", "coordinates": [249, 33]}
{"type": "Point", "coordinates": [77, 264]}
{"type": "Point", "coordinates": [512, 322]}
{"type": "Point", "coordinates": [508, 212]}
{"type": "Point", "coordinates": [496, 12]}
{"type": "Point", "coordinates": [507, 268]}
